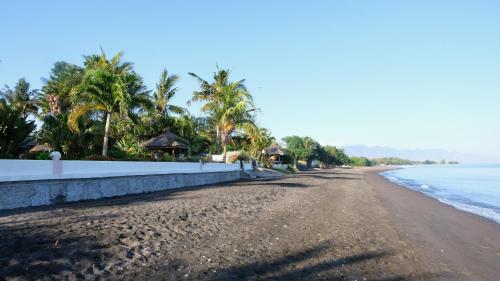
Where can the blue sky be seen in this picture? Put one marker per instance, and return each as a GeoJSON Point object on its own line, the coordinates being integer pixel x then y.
{"type": "Point", "coordinates": [405, 74]}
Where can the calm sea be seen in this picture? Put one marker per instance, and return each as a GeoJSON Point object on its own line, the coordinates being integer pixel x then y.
{"type": "Point", "coordinates": [472, 188]}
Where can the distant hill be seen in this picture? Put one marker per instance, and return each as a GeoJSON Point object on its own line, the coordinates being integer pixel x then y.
{"type": "Point", "coordinates": [416, 154]}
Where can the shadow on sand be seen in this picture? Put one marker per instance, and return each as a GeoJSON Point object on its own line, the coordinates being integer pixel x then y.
{"type": "Point", "coordinates": [309, 264]}
{"type": "Point", "coordinates": [35, 252]}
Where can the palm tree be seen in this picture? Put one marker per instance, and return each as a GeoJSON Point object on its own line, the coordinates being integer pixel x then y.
{"type": "Point", "coordinates": [260, 139]}
{"type": "Point", "coordinates": [228, 104]}
{"type": "Point", "coordinates": [14, 127]}
{"type": "Point", "coordinates": [21, 98]}
{"type": "Point", "coordinates": [193, 129]}
{"type": "Point", "coordinates": [165, 91]}
{"type": "Point", "coordinates": [108, 87]}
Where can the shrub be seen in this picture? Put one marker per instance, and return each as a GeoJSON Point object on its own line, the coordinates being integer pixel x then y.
{"type": "Point", "coordinates": [44, 155]}
{"type": "Point", "coordinates": [118, 154]}
{"type": "Point", "coordinates": [168, 158]}
{"type": "Point", "coordinates": [98, 157]}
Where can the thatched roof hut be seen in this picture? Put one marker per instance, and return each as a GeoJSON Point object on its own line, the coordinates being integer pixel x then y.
{"type": "Point", "coordinates": [165, 141]}
{"type": "Point", "coordinates": [276, 153]}
{"type": "Point", "coordinates": [41, 148]}
{"type": "Point", "coordinates": [275, 149]}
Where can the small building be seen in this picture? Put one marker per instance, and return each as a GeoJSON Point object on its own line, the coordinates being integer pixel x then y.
{"type": "Point", "coordinates": [276, 154]}
{"type": "Point", "coordinates": [168, 143]}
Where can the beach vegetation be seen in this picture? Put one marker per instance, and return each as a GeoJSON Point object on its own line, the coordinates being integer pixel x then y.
{"type": "Point", "coordinates": [102, 110]}
{"type": "Point", "coordinates": [109, 87]}
{"type": "Point", "coordinates": [303, 149]}
{"type": "Point", "coordinates": [361, 161]}
{"type": "Point", "coordinates": [16, 123]}
{"type": "Point", "coordinates": [228, 105]}
{"type": "Point", "coordinates": [330, 156]}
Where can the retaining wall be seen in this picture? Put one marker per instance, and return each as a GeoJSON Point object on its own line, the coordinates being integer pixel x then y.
{"type": "Point", "coordinates": [23, 189]}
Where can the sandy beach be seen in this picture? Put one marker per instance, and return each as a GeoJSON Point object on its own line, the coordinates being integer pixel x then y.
{"type": "Point", "coordinates": [338, 224]}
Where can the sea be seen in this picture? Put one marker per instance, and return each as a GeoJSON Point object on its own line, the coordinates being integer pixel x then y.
{"type": "Point", "coordinates": [473, 188]}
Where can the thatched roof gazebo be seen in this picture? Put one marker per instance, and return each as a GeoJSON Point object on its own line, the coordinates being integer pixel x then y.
{"type": "Point", "coordinates": [41, 148]}
{"type": "Point", "coordinates": [275, 153]}
{"type": "Point", "coordinates": [167, 142]}
{"type": "Point", "coordinates": [275, 149]}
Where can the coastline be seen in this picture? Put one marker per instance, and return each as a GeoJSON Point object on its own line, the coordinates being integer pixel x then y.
{"type": "Point", "coordinates": [465, 244]}
{"type": "Point", "coordinates": [335, 224]}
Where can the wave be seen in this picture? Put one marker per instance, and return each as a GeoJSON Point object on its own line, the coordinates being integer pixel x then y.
{"type": "Point", "coordinates": [481, 211]}
{"type": "Point", "coordinates": [464, 202]}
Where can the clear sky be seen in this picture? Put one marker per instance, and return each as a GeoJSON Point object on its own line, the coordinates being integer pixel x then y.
{"type": "Point", "coordinates": [405, 74]}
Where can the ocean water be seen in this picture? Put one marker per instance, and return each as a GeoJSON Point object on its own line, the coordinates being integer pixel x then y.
{"type": "Point", "coordinates": [472, 188]}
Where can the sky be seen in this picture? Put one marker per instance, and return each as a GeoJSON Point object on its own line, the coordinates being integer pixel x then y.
{"type": "Point", "coordinates": [403, 74]}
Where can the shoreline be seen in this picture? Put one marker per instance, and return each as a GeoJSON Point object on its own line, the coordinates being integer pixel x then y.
{"type": "Point", "coordinates": [380, 170]}
{"type": "Point", "coordinates": [467, 244]}
{"type": "Point", "coordinates": [338, 224]}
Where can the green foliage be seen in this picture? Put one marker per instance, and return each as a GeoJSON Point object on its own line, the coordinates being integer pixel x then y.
{"type": "Point", "coordinates": [130, 149]}
{"type": "Point", "coordinates": [55, 131]}
{"type": "Point", "coordinates": [332, 156]}
{"type": "Point", "coordinates": [393, 161]}
{"type": "Point", "coordinates": [195, 130]}
{"type": "Point", "coordinates": [44, 155]}
{"type": "Point", "coordinates": [168, 158]}
{"type": "Point", "coordinates": [229, 106]}
{"type": "Point", "coordinates": [104, 103]}
{"type": "Point", "coordinates": [20, 99]}
{"type": "Point", "coordinates": [361, 161]}
{"type": "Point", "coordinates": [165, 91]}
{"type": "Point", "coordinates": [15, 108]}
{"type": "Point", "coordinates": [64, 77]}
{"type": "Point", "coordinates": [243, 156]}
{"type": "Point", "coordinates": [108, 87]}
{"type": "Point", "coordinates": [97, 157]}
{"type": "Point", "coordinates": [302, 149]}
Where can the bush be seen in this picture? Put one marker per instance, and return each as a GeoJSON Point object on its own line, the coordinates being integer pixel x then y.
{"type": "Point", "coordinates": [118, 154]}
{"type": "Point", "coordinates": [168, 158]}
{"type": "Point", "coordinates": [361, 161]}
{"type": "Point", "coordinates": [44, 155]}
{"type": "Point", "coordinates": [98, 157]}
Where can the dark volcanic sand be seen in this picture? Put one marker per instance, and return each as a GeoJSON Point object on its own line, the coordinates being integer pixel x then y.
{"type": "Point", "coordinates": [463, 244]}
{"type": "Point", "coordinates": [319, 225]}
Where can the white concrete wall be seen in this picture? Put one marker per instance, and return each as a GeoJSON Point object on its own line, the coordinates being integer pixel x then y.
{"type": "Point", "coordinates": [26, 170]}
{"type": "Point", "coordinates": [18, 194]}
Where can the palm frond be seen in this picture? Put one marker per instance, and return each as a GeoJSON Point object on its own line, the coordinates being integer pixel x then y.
{"type": "Point", "coordinates": [79, 111]}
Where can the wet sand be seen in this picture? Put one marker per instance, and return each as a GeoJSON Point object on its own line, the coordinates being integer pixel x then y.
{"type": "Point", "coordinates": [318, 225]}
{"type": "Point", "coordinates": [464, 245]}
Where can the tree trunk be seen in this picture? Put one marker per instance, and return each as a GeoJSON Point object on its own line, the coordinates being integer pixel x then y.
{"type": "Point", "coordinates": [106, 135]}
{"type": "Point", "coordinates": [224, 140]}
{"type": "Point", "coordinates": [224, 155]}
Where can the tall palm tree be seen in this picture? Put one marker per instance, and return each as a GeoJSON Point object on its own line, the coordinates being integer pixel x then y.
{"type": "Point", "coordinates": [108, 87]}
{"type": "Point", "coordinates": [165, 91]}
{"type": "Point", "coordinates": [229, 105]}
{"type": "Point", "coordinates": [21, 98]}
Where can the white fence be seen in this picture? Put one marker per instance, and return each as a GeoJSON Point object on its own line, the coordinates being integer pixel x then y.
{"type": "Point", "coordinates": [23, 170]}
